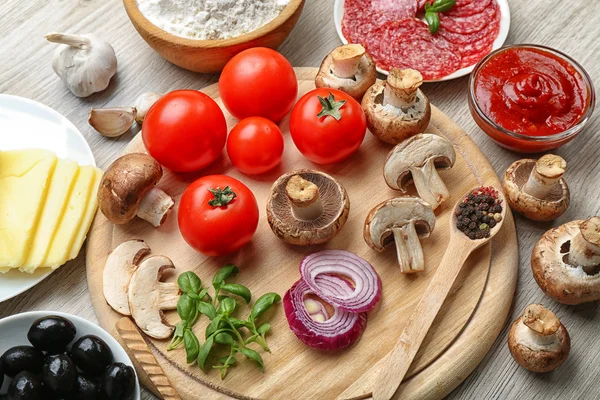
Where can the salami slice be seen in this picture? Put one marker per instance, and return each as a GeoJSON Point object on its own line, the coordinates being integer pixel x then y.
{"type": "Point", "coordinates": [489, 31]}
{"type": "Point", "coordinates": [474, 7]}
{"type": "Point", "coordinates": [399, 8]}
{"type": "Point", "coordinates": [470, 24]}
{"type": "Point", "coordinates": [459, 3]}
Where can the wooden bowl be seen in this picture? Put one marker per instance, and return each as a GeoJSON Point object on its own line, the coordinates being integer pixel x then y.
{"type": "Point", "coordinates": [212, 55]}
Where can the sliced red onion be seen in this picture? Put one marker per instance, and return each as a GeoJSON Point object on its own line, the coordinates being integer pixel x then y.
{"type": "Point", "coordinates": [327, 264]}
{"type": "Point", "coordinates": [342, 329]}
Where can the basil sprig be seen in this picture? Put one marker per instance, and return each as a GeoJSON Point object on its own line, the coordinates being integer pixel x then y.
{"type": "Point", "coordinates": [432, 10]}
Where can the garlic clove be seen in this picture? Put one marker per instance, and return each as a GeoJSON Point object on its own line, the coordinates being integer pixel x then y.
{"type": "Point", "coordinates": [112, 122]}
{"type": "Point", "coordinates": [143, 104]}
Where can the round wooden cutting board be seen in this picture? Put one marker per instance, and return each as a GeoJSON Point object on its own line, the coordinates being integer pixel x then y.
{"type": "Point", "coordinates": [469, 322]}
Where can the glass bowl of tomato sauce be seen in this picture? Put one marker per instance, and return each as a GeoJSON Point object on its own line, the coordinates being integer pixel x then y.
{"type": "Point", "coordinates": [530, 98]}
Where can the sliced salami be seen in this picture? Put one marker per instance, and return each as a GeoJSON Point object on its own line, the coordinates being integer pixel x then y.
{"type": "Point", "coordinates": [474, 7]}
{"type": "Point", "coordinates": [459, 3]}
{"type": "Point", "coordinates": [470, 24]}
{"type": "Point", "coordinates": [399, 8]}
{"type": "Point", "coordinates": [489, 31]}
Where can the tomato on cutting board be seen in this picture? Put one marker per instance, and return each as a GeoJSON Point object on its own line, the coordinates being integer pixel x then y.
{"type": "Point", "coordinates": [217, 215]}
{"type": "Point", "coordinates": [258, 82]}
{"type": "Point", "coordinates": [327, 125]}
{"type": "Point", "coordinates": [255, 145]}
{"type": "Point", "coordinates": [185, 131]}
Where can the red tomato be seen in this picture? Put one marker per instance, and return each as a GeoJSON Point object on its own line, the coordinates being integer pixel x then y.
{"type": "Point", "coordinates": [330, 132]}
{"type": "Point", "coordinates": [217, 215]}
{"type": "Point", "coordinates": [258, 82]}
{"type": "Point", "coordinates": [185, 131]}
{"type": "Point", "coordinates": [255, 145]}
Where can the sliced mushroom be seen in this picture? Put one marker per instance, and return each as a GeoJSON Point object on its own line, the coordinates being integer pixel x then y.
{"type": "Point", "coordinates": [566, 262]}
{"type": "Point", "coordinates": [307, 207]}
{"type": "Point", "coordinates": [538, 341]}
{"type": "Point", "coordinates": [537, 189]}
{"type": "Point", "coordinates": [418, 158]}
{"type": "Point", "coordinates": [403, 220]}
{"type": "Point", "coordinates": [348, 68]}
{"type": "Point", "coordinates": [397, 109]}
{"type": "Point", "coordinates": [120, 266]}
{"type": "Point", "coordinates": [128, 189]}
{"type": "Point", "coordinates": [148, 297]}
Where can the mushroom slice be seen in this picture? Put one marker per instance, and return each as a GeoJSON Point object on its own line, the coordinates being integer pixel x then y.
{"type": "Point", "coordinates": [403, 219]}
{"type": "Point", "coordinates": [397, 109]}
{"type": "Point", "coordinates": [538, 341]}
{"type": "Point", "coordinates": [418, 158]}
{"type": "Point", "coordinates": [148, 297]}
{"type": "Point", "coordinates": [307, 207]}
{"type": "Point", "coordinates": [566, 261]}
{"type": "Point", "coordinates": [120, 266]}
{"type": "Point", "coordinates": [348, 68]}
{"type": "Point", "coordinates": [537, 189]}
{"type": "Point", "coordinates": [128, 189]}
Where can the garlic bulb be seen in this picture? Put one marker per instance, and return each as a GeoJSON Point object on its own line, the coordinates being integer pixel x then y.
{"type": "Point", "coordinates": [85, 63]}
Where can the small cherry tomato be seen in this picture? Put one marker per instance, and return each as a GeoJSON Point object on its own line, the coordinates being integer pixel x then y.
{"type": "Point", "coordinates": [217, 215]}
{"type": "Point", "coordinates": [255, 145]}
{"type": "Point", "coordinates": [327, 125]}
{"type": "Point", "coordinates": [258, 82]}
{"type": "Point", "coordinates": [185, 131]}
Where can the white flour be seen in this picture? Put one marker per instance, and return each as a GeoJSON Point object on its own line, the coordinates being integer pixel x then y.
{"type": "Point", "coordinates": [210, 19]}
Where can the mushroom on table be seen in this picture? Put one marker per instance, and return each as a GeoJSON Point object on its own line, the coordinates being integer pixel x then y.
{"type": "Point", "coordinates": [403, 220]}
{"type": "Point", "coordinates": [418, 158]}
{"type": "Point", "coordinates": [537, 189]}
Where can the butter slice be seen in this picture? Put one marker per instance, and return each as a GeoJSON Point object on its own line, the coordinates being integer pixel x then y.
{"type": "Point", "coordinates": [90, 213]}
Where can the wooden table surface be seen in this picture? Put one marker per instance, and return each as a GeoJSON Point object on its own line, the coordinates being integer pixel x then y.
{"type": "Point", "coordinates": [25, 70]}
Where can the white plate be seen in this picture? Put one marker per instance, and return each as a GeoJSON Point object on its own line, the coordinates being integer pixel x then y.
{"type": "Point", "coordinates": [24, 124]}
{"type": "Point", "coordinates": [14, 333]}
{"type": "Point", "coordinates": [338, 13]}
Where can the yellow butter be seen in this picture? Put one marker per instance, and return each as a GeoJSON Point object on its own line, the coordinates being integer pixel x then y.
{"type": "Point", "coordinates": [90, 212]}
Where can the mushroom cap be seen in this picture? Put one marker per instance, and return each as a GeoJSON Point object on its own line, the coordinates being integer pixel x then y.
{"type": "Point", "coordinates": [565, 283]}
{"type": "Point", "coordinates": [555, 204]}
{"type": "Point", "coordinates": [124, 185]}
{"type": "Point", "coordinates": [355, 87]}
{"type": "Point", "coordinates": [335, 202]}
{"type": "Point", "coordinates": [391, 124]}
{"type": "Point", "coordinates": [415, 152]}
{"type": "Point", "coordinates": [397, 212]}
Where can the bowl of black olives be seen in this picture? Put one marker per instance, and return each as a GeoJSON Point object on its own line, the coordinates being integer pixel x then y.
{"type": "Point", "coordinates": [45, 355]}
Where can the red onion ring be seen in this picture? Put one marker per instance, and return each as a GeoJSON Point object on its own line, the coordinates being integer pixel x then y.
{"type": "Point", "coordinates": [341, 330]}
{"type": "Point", "coordinates": [327, 264]}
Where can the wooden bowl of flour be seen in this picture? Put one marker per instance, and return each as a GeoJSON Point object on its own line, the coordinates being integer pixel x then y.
{"type": "Point", "coordinates": [212, 55]}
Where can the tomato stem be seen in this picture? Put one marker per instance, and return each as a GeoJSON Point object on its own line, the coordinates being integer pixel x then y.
{"type": "Point", "coordinates": [330, 107]}
{"type": "Point", "coordinates": [222, 196]}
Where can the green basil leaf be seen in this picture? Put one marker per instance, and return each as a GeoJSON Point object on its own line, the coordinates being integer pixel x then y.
{"type": "Point", "coordinates": [202, 294]}
{"type": "Point", "coordinates": [189, 282]}
{"type": "Point", "coordinates": [223, 338]}
{"type": "Point", "coordinates": [226, 306]}
{"type": "Point", "coordinates": [238, 323]}
{"type": "Point", "coordinates": [186, 307]}
{"type": "Point", "coordinates": [227, 361]}
{"type": "Point", "coordinates": [224, 273]}
{"type": "Point", "coordinates": [204, 351]}
{"type": "Point", "coordinates": [433, 20]}
{"type": "Point", "coordinates": [177, 337]}
{"type": "Point", "coordinates": [207, 309]}
{"type": "Point", "coordinates": [264, 328]}
{"type": "Point", "coordinates": [442, 6]}
{"type": "Point", "coordinates": [214, 325]}
{"type": "Point", "coordinates": [263, 303]}
{"type": "Point", "coordinates": [192, 345]}
{"type": "Point", "coordinates": [238, 290]}
{"type": "Point", "coordinates": [253, 355]}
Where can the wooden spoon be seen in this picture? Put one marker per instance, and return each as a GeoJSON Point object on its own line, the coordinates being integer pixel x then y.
{"type": "Point", "coordinates": [397, 362]}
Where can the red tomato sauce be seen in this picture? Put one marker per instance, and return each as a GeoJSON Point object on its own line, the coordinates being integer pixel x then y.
{"type": "Point", "coordinates": [531, 91]}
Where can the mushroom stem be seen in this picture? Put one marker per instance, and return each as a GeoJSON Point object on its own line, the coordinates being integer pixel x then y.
{"type": "Point", "coordinates": [430, 186]}
{"type": "Point", "coordinates": [71, 40]}
{"type": "Point", "coordinates": [538, 328]}
{"type": "Point", "coordinates": [408, 248]}
{"type": "Point", "coordinates": [155, 206]}
{"type": "Point", "coordinates": [545, 174]}
{"type": "Point", "coordinates": [401, 87]}
{"type": "Point", "coordinates": [305, 198]}
{"type": "Point", "coordinates": [346, 60]}
{"type": "Point", "coordinates": [585, 246]}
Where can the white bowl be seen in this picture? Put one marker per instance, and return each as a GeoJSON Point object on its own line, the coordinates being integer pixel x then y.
{"type": "Point", "coordinates": [13, 332]}
{"type": "Point", "coordinates": [338, 13]}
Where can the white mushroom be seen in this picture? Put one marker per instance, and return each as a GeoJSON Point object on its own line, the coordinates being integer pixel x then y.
{"type": "Point", "coordinates": [120, 266]}
{"type": "Point", "coordinates": [418, 158]}
{"type": "Point", "coordinates": [148, 297]}
{"type": "Point", "coordinates": [403, 220]}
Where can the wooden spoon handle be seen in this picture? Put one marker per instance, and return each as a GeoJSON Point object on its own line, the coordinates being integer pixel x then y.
{"type": "Point", "coordinates": [138, 347]}
{"type": "Point", "coordinates": [397, 362]}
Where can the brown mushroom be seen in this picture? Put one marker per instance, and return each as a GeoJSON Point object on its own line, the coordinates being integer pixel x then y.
{"type": "Point", "coordinates": [401, 220]}
{"type": "Point", "coordinates": [537, 189]}
{"type": "Point", "coordinates": [348, 68]}
{"type": "Point", "coordinates": [418, 159]}
{"type": "Point", "coordinates": [128, 189]}
{"type": "Point", "coordinates": [538, 341]}
{"type": "Point", "coordinates": [566, 262]}
{"type": "Point", "coordinates": [148, 297]}
{"type": "Point", "coordinates": [397, 109]}
{"type": "Point", "coordinates": [307, 207]}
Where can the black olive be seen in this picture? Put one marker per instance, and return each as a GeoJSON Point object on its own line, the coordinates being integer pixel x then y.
{"type": "Point", "coordinates": [91, 354]}
{"type": "Point", "coordinates": [86, 389]}
{"type": "Point", "coordinates": [51, 334]}
{"type": "Point", "coordinates": [21, 358]}
{"type": "Point", "coordinates": [26, 386]}
{"type": "Point", "coordinates": [118, 382]}
{"type": "Point", "coordinates": [60, 374]}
